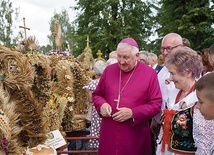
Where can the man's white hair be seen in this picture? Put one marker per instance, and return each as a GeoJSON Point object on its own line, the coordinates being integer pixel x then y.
{"type": "Point", "coordinates": [99, 67]}
{"type": "Point", "coordinates": [134, 49]}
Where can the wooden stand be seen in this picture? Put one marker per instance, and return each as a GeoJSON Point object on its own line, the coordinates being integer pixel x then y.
{"type": "Point", "coordinates": [78, 135]}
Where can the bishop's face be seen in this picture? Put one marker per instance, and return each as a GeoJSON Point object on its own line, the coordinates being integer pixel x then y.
{"type": "Point", "coordinates": [126, 59]}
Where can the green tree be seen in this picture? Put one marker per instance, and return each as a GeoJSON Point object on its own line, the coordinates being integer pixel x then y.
{"type": "Point", "coordinates": [45, 49]}
{"type": "Point", "coordinates": [191, 19]}
{"type": "Point", "coordinates": [107, 22]}
{"type": "Point", "coordinates": [62, 18]}
{"type": "Point", "coordinates": [6, 22]}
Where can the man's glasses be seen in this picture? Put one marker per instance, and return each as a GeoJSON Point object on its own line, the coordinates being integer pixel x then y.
{"type": "Point", "coordinates": [169, 48]}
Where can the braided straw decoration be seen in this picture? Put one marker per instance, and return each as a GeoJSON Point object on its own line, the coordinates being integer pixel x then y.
{"type": "Point", "coordinates": [15, 68]}
{"type": "Point", "coordinates": [4, 125]}
{"type": "Point", "coordinates": [63, 87]}
{"type": "Point", "coordinates": [9, 125]}
{"type": "Point", "coordinates": [17, 79]}
{"type": "Point", "coordinates": [42, 79]}
{"type": "Point", "coordinates": [86, 58]}
{"type": "Point", "coordinates": [79, 106]}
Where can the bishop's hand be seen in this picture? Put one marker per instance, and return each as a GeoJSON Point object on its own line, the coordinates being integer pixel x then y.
{"type": "Point", "coordinates": [122, 114]}
{"type": "Point", "coordinates": [105, 110]}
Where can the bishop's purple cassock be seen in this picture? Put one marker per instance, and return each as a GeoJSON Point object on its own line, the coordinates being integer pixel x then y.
{"type": "Point", "coordinates": [142, 94]}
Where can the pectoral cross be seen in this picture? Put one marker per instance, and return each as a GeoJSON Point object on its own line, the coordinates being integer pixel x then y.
{"type": "Point", "coordinates": [117, 100]}
{"type": "Point", "coordinates": [24, 27]}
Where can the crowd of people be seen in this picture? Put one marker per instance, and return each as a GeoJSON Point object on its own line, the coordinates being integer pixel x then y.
{"type": "Point", "coordinates": [148, 108]}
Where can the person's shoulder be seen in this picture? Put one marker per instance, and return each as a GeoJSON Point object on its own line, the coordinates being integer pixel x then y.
{"type": "Point", "coordinates": [145, 68]}
{"type": "Point", "coordinates": [163, 74]}
{"type": "Point", "coordinates": [163, 70]}
{"type": "Point", "coordinates": [111, 68]}
{"type": "Point", "coordinates": [92, 82]}
{"type": "Point", "coordinates": [158, 68]}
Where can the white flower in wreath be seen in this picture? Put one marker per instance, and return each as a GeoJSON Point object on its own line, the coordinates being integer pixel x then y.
{"type": "Point", "coordinates": [62, 100]}
{"type": "Point", "coordinates": [68, 77]}
{"type": "Point", "coordinates": [70, 108]}
{"type": "Point", "coordinates": [65, 94]}
{"type": "Point", "coordinates": [68, 88]}
{"type": "Point", "coordinates": [63, 67]}
{"type": "Point", "coordinates": [71, 99]}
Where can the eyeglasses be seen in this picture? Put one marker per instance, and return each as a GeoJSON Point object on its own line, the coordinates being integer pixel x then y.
{"type": "Point", "coordinates": [169, 48]}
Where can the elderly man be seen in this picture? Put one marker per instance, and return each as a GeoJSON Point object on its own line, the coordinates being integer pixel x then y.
{"type": "Point", "coordinates": [127, 97]}
{"type": "Point", "coordinates": [143, 57]}
{"type": "Point", "coordinates": [153, 62]}
{"type": "Point", "coordinates": [169, 43]}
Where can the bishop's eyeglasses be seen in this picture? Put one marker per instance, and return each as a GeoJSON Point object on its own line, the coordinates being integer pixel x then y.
{"type": "Point", "coordinates": [169, 48]}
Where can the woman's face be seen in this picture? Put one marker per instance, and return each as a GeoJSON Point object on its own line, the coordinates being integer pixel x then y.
{"type": "Point", "coordinates": [179, 80]}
